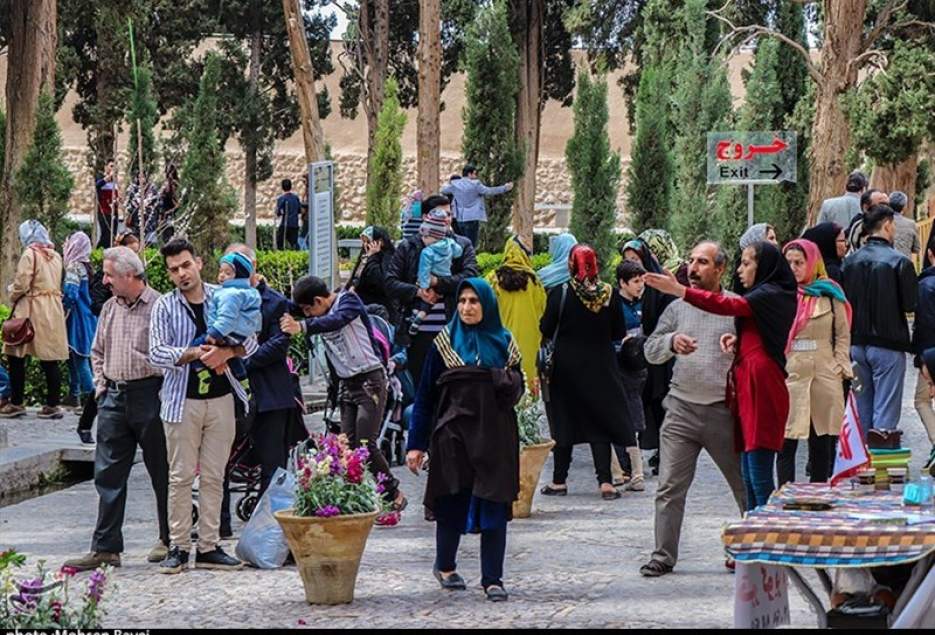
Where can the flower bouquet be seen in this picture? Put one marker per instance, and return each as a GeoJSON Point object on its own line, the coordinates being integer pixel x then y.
{"type": "Point", "coordinates": [336, 503]}
{"type": "Point", "coordinates": [43, 601]}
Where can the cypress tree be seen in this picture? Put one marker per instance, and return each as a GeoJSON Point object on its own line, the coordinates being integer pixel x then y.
{"type": "Point", "coordinates": [386, 181]}
{"type": "Point", "coordinates": [702, 102]}
{"type": "Point", "coordinates": [489, 140]}
{"type": "Point", "coordinates": [43, 183]}
{"type": "Point", "coordinates": [649, 177]}
{"type": "Point", "coordinates": [207, 199]}
{"type": "Point", "coordinates": [595, 169]}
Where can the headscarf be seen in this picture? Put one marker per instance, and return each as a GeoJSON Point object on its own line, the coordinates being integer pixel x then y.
{"type": "Point", "coordinates": [516, 257]}
{"type": "Point", "coordinates": [928, 358]}
{"type": "Point", "coordinates": [593, 293]}
{"type": "Point", "coordinates": [486, 344]}
{"type": "Point", "coordinates": [31, 232]}
{"type": "Point", "coordinates": [375, 232]}
{"type": "Point", "coordinates": [645, 252]}
{"type": "Point", "coordinates": [825, 235]}
{"type": "Point", "coordinates": [755, 234]}
{"type": "Point", "coordinates": [663, 248]}
{"type": "Point", "coordinates": [557, 273]}
{"type": "Point", "coordinates": [413, 205]}
{"type": "Point", "coordinates": [77, 249]}
{"type": "Point", "coordinates": [772, 299]}
{"type": "Point", "coordinates": [654, 302]}
{"type": "Point", "coordinates": [817, 285]}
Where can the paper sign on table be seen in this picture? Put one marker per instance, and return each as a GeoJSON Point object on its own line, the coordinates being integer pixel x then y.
{"type": "Point", "coordinates": [761, 596]}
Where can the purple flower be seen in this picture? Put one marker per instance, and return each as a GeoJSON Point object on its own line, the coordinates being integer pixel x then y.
{"type": "Point", "coordinates": [96, 585]}
{"type": "Point", "coordinates": [328, 511]}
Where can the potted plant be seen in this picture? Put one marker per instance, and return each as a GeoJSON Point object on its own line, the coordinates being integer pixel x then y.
{"type": "Point", "coordinates": [534, 450]}
{"type": "Point", "coordinates": [336, 502]}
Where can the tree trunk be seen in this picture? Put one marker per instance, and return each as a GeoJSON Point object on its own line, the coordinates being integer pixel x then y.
{"type": "Point", "coordinates": [312, 133]}
{"type": "Point", "coordinates": [900, 177]}
{"type": "Point", "coordinates": [528, 37]}
{"type": "Point", "coordinates": [376, 49]}
{"type": "Point", "coordinates": [249, 184]}
{"type": "Point", "coordinates": [30, 70]}
{"type": "Point", "coordinates": [843, 39]}
{"type": "Point", "coordinates": [430, 69]}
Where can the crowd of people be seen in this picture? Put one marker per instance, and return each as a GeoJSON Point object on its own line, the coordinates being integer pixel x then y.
{"type": "Point", "coordinates": [742, 360]}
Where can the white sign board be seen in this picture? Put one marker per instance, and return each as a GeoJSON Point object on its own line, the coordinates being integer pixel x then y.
{"type": "Point", "coordinates": [737, 157]}
{"type": "Point", "coordinates": [321, 220]}
{"type": "Point", "coordinates": [761, 596]}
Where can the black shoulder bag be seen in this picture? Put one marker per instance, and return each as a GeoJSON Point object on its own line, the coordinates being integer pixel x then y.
{"type": "Point", "coordinates": [545, 358]}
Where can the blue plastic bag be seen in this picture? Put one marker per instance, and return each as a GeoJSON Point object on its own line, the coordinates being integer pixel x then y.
{"type": "Point", "coordinates": [262, 543]}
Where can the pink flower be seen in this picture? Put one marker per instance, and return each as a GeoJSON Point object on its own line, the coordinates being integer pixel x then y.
{"type": "Point", "coordinates": [302, 622]}
{"type": "Point", "coordinates": [355, 471]}
{"type": "Point", "coordinates": [327, 511]}
{"type": "Point", "coordinates": [68, 572]}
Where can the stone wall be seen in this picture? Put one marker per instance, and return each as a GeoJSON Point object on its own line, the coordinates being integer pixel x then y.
{"type": "Point", "coordinates": [553, 183]}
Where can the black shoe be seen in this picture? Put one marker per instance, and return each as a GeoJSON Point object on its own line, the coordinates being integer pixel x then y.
{"type": "Point", "coordinates": [216, 559]}
{"type": "Point", "coordinates": [85, 436]}
{"type": "Point", "coordinates": [175, 561]}
{"type": "Point", "coordinates": [71, 401]}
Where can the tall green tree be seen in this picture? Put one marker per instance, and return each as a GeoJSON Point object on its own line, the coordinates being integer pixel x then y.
{"type": "Point", "coordinates": [43, 183]}
{"type": "Point", "coordinates": [701, 102]}
{"type": "Point", "coordinates": [141, 119]}
{"type": "Point", "coordinates": [489, 138]}
{"type": "Point", "coordinates": [208, 201]}
{"type": "Point", "coordinates": [2, 139]}
{"type": "Point", "coordinates": [385, 189]}
{"type": "Point", "coordinates": [649, 176]}
{"type": "Point", "coordinates": [595, 169]}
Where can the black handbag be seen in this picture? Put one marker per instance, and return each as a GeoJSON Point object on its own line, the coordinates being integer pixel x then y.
{"type": "Point", "coordinates": [545, 358]}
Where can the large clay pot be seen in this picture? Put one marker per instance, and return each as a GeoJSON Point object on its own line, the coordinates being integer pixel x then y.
{"type": "Point", "coordinates": [531, 460]}
{"type": "Point", "coordinates": [327, 552]}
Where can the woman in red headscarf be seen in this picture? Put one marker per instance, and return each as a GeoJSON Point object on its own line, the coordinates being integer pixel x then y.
{"type": "Point", "coordinates": [585, 396]}
{"type": "Point", "coordinates": [818, 360]}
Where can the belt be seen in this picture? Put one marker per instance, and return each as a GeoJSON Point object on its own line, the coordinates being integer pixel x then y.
{"type": "Point", "coordinates": [121, 386]}
{"type": "Point", "coordinates": [801, 346]}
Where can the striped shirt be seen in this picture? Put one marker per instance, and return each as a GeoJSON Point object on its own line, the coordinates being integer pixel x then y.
{"type": "Point", "coordinates": [435, 319]}
{"type": "Point", "coordinates": [171, 334]}
{"type": "Point", "coordinates": [121, 345]}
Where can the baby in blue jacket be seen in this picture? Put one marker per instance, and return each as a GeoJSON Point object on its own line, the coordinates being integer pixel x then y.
{"type": "Point", "coordinates": [435, 260]}
{"type": "Point", "coordinates": [233, 312]}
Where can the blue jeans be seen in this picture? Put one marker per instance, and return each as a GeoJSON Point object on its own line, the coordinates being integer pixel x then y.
{"type": "Point", "coordinates": [881, 372]}
{"type": "Point", "coordinates": [80, 381]}
{"type": "Point", "coordinates": [757, 468]}
{"type": "Point", "coordinates": [5, 390]}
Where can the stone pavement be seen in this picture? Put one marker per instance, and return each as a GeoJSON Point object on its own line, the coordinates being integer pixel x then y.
{"type": "Point", "coordinates": [573, 564]}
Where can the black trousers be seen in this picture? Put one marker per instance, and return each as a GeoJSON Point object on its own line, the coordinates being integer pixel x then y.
{"type": "Point", "coordinates": [53, 381]}
{"type": "Point", "coordinates": [421, 345]}
{"type": "Point", "coordinates": [107, 224]}
{"type": "Point", "coordinates": [269, 443]}
{"type": "Point", "coordinates": [287, 234]}
{"type": "Point", "coordinates": [492, 551]}
{"type": "Point", "coordinates": [821, 451]}
{"type": "Point", "coordinates": [600, 452]}
{"type": "Point", "coordinates": [88, 413]}
{"type": "Point", "coordinates": [128, 418]}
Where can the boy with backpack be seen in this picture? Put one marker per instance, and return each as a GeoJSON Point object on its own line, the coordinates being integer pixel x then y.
{"type": "Point", "coordinates": [359, 360]}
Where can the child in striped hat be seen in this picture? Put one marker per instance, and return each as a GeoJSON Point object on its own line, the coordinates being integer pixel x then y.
{"type": "Point", "coordinates": [435, 260]}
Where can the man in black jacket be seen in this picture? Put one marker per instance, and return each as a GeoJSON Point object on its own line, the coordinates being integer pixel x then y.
{"type": "Point", "coordinates": [881, 286]}
{"type": "Point", "coordinates": [401, 285]}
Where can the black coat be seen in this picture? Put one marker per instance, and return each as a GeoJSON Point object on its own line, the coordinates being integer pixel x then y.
{"type": "Point", "coordinates": [881, 285]}
{"type": "Point", "coordinates": [588, 402]}
{"type": "Point", "coordinates": [403, 270]}
{"type": "Point", "coordinates": [923, 328]}
{"type": "Point", "coordinates": [100, 293]}
{"type": "Point", "coordinates": [270, 379]}
{"type": "Point", "coordinates": [370, 285]}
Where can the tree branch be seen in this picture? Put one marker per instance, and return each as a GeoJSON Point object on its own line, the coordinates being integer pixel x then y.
{"type": "Point", "coordinates": [755, 30]}
{"type": "Point", "coordinates": [882, 23]}
{"type": "Point", "coordinates": [858, 62]}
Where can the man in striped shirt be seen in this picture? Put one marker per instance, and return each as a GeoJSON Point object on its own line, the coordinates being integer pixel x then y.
{"type": "Point", "coordinates": [197, 414]}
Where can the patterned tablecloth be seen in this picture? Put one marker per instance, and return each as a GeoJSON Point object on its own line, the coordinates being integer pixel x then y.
{"type": "Point", "coordinates": [833, 538]}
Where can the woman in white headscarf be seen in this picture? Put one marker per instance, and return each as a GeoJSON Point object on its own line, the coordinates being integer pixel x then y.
{"type": "Point", "coordinates": [81, 322]}
{"type": "Point", "coordinates": [36, 293]}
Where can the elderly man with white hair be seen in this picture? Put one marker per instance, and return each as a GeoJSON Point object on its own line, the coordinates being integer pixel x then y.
{"type": "Point", "coordinates": [127, 389]}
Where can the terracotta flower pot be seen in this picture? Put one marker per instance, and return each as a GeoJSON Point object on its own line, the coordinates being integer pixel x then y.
{"type": "Point", "coordinates": [531, 460]}
{"type": "Point", "coordinates": [327, 552]}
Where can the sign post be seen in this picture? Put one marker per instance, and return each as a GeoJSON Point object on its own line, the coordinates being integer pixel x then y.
{"type": "Point", "coordinates": [321, 244]}
{"type": "Point", "coordinates": [751, 158]}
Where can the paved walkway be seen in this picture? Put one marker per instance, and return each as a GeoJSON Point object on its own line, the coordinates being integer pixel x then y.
{"type": "Point", "coordinates": [573, 564]}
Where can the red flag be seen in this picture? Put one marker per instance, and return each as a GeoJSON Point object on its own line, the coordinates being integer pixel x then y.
{"type": "Point", "coordinates": [852, 453]}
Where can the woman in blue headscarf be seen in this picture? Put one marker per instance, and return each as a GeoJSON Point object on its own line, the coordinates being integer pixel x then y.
{"type": "Point", "coordinates": [464, 416]}
{"type": "Point", "coordinates": [557, 273]}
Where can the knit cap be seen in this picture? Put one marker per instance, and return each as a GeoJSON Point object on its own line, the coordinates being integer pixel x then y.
{"type": "Point", "coordinates": [243, 268]}
{"type": "Point", "coordinates": [434, 226]}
